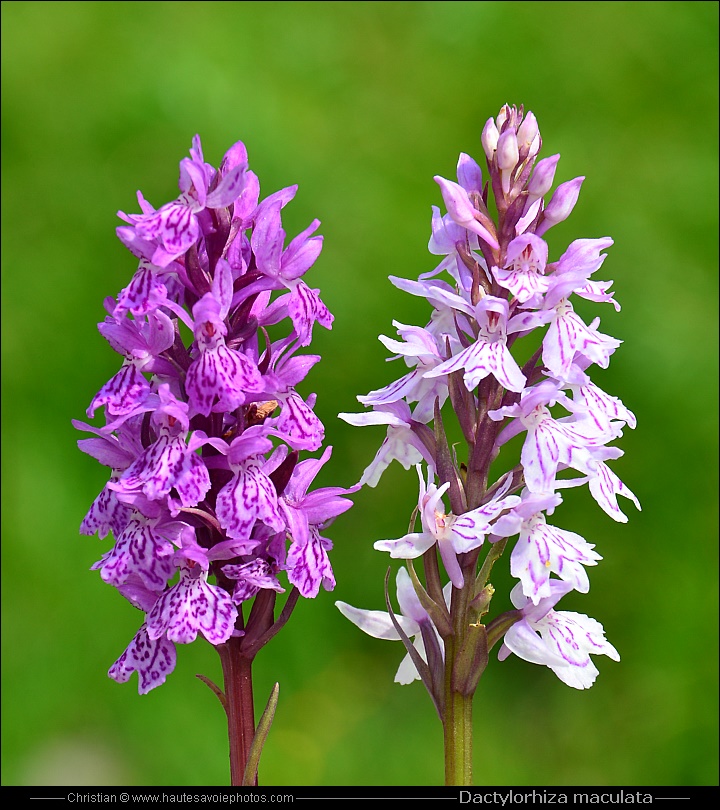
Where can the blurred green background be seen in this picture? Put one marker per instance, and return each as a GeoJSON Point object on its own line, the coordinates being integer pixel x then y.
{"type": "Point", "coordinates": [361, 104]}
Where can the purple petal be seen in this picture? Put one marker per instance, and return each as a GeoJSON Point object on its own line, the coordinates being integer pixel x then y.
{"type": "Point", "coordinates": [304, 308]}
{"type": "Point", "coordinates": [252, 442]}
{"type": "Point", "coordinates": [236, 155]}
{"type": "Point", "coordinates": [139, 550]}
{"type": "Point", "coordinates": [107, 514]}
{"type": "Point", "coordinates": [298, 425]}
{"type": "Point", "coordinates": [302, 252]}
{"type": "Point", "coordinates": [152, 660]}
{"type": "Point", "coordinates": [192, 606]}
{"type": "Point", "coordinates": [219, 379]}
{"type": "Point", "coordinates": [122, 393]}
{"type": "Point", "coordinates": [155, 470]}
{"type": "Point", "coordinates": [326, 503]}
{"type": "Point", "coordinates": [309, 567]}
{"type": "Point", "coordinates": [144, 293]}
{"type": "Point", "coordinates": [192, 480]}
{"type": "Point", "coordinates": [268, 238]}
{"type": "Point", "coordinates": [462, 210]}
{"type": "Point", "coordinates": [107, 450]}
{"type": "Point", "coordinates": [469, 174]}
{"type": "Point", "coordinates": [229, 188]}
{"type": "Point", "coordinates": [250, 496]}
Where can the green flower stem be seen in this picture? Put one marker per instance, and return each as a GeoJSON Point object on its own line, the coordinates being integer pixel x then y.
{"type": "Point", "coordinates": [457, 728]}
{"type": "Point", "coordinates": [457, 724]}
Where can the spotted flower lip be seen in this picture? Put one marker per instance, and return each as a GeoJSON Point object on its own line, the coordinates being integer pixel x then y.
{"type": "Point", "coordinates": [152, 659]}
{"type": "Point", "coordinates": [489, 354]}
{"type": "Point", "coordinates": [252, 577]}
{"type": "Point", "coordinates": [209, 505]}
{"type": "Point", "coordinates": [561, 640]}
{"type": "Point", "coordinates": [219, 378]}
{"type": "Point", "coordinates": [143, 342]}
{"type": "Point", "coordinates": [192, 606]}
{"type": "Point", "coordinates": [543, 549]}
{"type": "Point", "coordinates": [248, 497]}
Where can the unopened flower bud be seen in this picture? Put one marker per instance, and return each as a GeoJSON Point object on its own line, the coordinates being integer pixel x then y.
{"type": "Point", "coordinates": [507, 150]}
{"type": "Point", "coordinates": [561, 205]}
{"type": "Point", "coordinates": [505, 112]}
{"type": "Point", "coordinates": [489, 138]}
{"type": "Point", "coordinates": [469, 174]}
{"type": "Point", "coordinates": [542, 177]}
{"type": "Point", "coordinates": [507, 156]}
{"type": "Point", "coordinates": [527, 132]}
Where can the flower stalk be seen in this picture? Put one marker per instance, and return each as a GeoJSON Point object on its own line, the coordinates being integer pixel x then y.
{"type": "Point", "coordinates": [237, 675]}
{"type": "Point", "coordinates": [457, 735]}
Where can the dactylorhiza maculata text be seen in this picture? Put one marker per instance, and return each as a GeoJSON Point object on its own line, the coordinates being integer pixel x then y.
{"type": "Point", "coordinates": [497, 295]}
{"type": "Point", "coordinates": [210, 507]}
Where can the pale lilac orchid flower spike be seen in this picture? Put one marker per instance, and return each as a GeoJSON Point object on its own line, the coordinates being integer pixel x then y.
{"type": "Point", "coordinates": [497, 290]}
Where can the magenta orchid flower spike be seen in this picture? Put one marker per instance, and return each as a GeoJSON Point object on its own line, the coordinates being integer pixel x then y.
{"type": "Point", "coordinates": [497, 295]}
{"type": "Point", "coordinates": [212, 513]}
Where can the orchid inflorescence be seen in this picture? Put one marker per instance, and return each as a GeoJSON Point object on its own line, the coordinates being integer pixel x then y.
{"type": "Point", "coordinates": [493, 293]}
{"type": "Point", "coordinates": [208, 501]}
